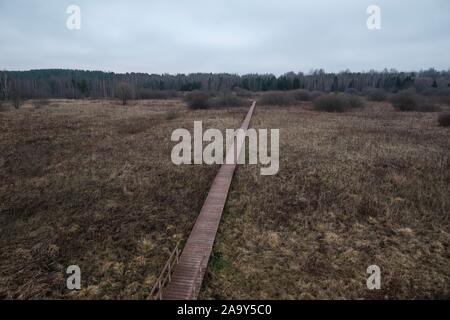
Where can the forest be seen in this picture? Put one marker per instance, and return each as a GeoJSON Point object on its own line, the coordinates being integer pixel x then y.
{"type": "Point", "coordinates": [76, 84]}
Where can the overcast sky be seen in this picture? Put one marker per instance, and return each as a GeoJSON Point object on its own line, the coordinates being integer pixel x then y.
{"type": "Point", "coordinates": [235, 36]}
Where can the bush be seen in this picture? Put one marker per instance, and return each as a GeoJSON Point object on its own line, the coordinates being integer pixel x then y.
{"type": "Point", "coordinates": [438, 95]}
{"type": "Point", "coordinates": [143, 93]}
{"type": "Point", "coordinates": [355, 102]}
{"type": "Point", "coordinates": [276, 99]}
{"type": "Point", "coordinates": [352, 91]}
{"type": "Point", "coordinates": [428, 106]}
{"type": "Point", "coordinates": [315, 94]}
{"type": "Point", "coordinates": [243, 93]}
{"type": "Point", "coordinates": [331, 103]}
{"type": "Point", "coordinates": [444, 96]}
{"type": "Point", "coordinates": [227, 100]}
{"type": "Point", "coordinates": [197, 100]}
{"type": "Point", "coordinates": [376, 95]}
{"type": "Point", "coordinates": [337, 103]}
{"type": "Point", "coordinates": [124, 92]}
{"type": "Point", "coordinates": [301, 95]}
{"type": "Point", "coordinates": [444, 120]}
{"type": "Point", "coordinates": [405, 101]}
{"type": "Point", "coordinates": [409, 101]}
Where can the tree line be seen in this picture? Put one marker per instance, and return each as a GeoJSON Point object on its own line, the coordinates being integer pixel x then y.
{"type": "Point", "coordinates": [76, 84]}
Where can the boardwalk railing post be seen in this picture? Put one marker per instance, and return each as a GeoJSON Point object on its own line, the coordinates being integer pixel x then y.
{"type": "Point", "coordinates": [166, 274]}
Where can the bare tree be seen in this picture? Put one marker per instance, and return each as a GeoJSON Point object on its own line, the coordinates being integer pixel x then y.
{"type": "Point", "coordinates": [124, 92]}
{"type": "Point", "coordinates": [16, 98]}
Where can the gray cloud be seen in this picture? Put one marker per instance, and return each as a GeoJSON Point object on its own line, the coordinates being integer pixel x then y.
{"type": "Point", "coordinates": [158, 36]}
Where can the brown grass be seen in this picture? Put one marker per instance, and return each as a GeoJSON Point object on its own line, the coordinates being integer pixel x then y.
{"type": "Point", "coordinates": [91, 183]}
{"type": "Point", "coordinates": [366, 187]}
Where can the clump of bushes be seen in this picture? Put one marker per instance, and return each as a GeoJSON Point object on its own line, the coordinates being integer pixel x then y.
{"type": "Point", "coordinates": [227, 100]}
{"type": "Point", "coordinates": [351, 91]}
{"type": "Point", "coordinates": [197, 100]}
{"type": "Point", "coordinates": [428, 106]}
{"type": "Point", "coordinates": [355, 102]}
{"type": "Point", "coordinates": [276, 99]}
{"type": "Point", "coordinates": [315, 94]}
{"type": "Point", "coordinates": [150, 94]}
{"type": "Point", "coordinates": [337, 103]}
{"type": "Point", "coordinates": [331, 103]}
{"type": "Point", "coordinates": [443, 96]}
{"type": "Point", "coordinates": [409, 101]}
{"type": "Point", "coordinates": [376, 94]}
{"type": "Point", "coordinates": [242, 93]}
{"type": "Point", "coordinates": [203, 100]}
{"type": "Point", "coordinates": [444, 120]}
{"type": "Point", "coordinates": [438, 95]}
{"type": "Point", "coordinates": [301, 95]}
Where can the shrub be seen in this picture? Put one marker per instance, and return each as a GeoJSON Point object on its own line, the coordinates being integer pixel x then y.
{"type": "Point", "coordinates": [315, 94]}
{"type": "Point", "coordinates": [244, 93]}
{"type": "Point", "coordinates": [276, 99]}
{"type": "Point", "coordinates": [376, 95]}
{"type": "Point", "coordinates": [355, 102]}
{"type": "Point", "coordinates": [301, 95]}
{"type": "Point", "coordinates": [150, 94]}
{"type": "Point", "coordinates": [409, 101]}
{"type": "Point", "coordinates": [331, 103]}
{"type": "Point", "coordinates": [442, 96]}
{"type": "Point", "coordinates": [428, 106]}
{"type": "Point", "coordinates": [197, 100]}
{"type": "Point", "coordinates": [405, 101]}
{"type": "Point", "coordinates": [227, 100]}
{"type": "Point", "coordinates": [337, 103]}
{"type": "Point", "coordinates": [124, 92]}
{"type": "Point", "coordinates": [351, 91]}
{"type": "Point", "coordinates": [444, 120]}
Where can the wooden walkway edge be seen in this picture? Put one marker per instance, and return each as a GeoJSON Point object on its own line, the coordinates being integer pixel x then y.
{"type": "Point", "coordinates": [188, 274]}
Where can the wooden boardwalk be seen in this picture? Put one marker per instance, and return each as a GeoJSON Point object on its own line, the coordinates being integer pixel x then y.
{"type": "Point", "coordinates": [188, 274]}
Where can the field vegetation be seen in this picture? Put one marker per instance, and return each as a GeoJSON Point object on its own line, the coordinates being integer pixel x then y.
{"type": "Point", "coordinates": [363, 187]}
{"type": "Point", "coordinates": [90, 182]}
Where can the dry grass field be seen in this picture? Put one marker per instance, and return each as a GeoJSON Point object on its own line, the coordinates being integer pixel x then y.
{"type": "Point", "coordinates": [91, 183]}
{"type": "Point", "coordinates": [354, 189]}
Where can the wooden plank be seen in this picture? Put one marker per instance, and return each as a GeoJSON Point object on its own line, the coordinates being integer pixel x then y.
{"type": "Point", "coordinates": [189, 272]}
